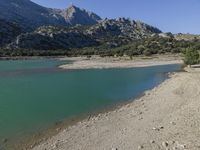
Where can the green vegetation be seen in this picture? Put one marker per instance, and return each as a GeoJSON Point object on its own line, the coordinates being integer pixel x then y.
{"type": "Point", "coordinates": [147, 46]}
{"type": "Point", "coordinates": [191, 56]}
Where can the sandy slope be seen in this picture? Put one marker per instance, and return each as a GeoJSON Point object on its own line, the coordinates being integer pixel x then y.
{"type": "Point", "coordinates": [167, 117]}
{"type": "Point", "coordinates": [96, 62]}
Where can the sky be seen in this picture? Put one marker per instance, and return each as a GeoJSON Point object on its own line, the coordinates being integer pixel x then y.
{"type": "Point", "coordinates": [168, 15]}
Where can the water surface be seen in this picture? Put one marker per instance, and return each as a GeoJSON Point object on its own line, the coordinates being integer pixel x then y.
{"type": "Point", "coordinates": [35, 94]}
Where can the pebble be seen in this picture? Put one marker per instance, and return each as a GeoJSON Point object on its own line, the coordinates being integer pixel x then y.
{"type": "Point", "coordinates": [181, 146]}
{"type": "Point", "coordinates": [58, 129]}
{"type": "Point", "coordinates": [161, 127]}
{"type": "Point", "coordinates": [171, 142]}
{"type": "Point", "coordinates": [165, 144]}
{"type": "Point", "coordinates": [158, 128]}
{"type": "Point", "coordinates": [140, 147]}
{"type": "Point", "coordinates": [55, 146]}
{"type": "Point", "coordinates": [5, 140]}
{"type": "Point", "coordinates": [173, 123]}
{"type": "Point", "coordinates": [152, 141]}
{"type": "Point", "coordinates": [140, 118]}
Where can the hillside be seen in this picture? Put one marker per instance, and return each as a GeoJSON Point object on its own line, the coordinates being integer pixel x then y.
{"type": "Point", "coordinates": [75, 31]}
{"type": "Point", "coordinates": [187, 37]}
{"type": "Point", "coordinates": [114, 32]}
{"type": "Point", "coordinates": [8, 32]}
{"type": "Point", "coordinates": [31, 16]}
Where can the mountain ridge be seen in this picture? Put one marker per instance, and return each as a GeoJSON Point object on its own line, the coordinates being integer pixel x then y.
{"type": "Point", "coordinates": [50, 29]}
{"type": "Point", "coordinates": [31, 15]}
{"type": "Point", "coordinates": [113, 32]}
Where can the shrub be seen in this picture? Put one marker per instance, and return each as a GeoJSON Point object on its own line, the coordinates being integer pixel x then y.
{"type": "Point", "coordinates": [191, 56]}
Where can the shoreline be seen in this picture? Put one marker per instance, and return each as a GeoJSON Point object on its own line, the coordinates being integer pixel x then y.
{"type": "Point", "coordinates": [139, 124]}
{"type": "Point", "coordinates": [53, 130]}
{"type": "Point", "coordinates": [96, 62]}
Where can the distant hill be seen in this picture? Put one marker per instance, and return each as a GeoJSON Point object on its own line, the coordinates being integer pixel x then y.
{"type": "Point", "coordinates": [112, 32]}
{"type": "Point", "coordinates": [188, 37]}
{"type": "Point", "coordinates": [27, 25]}
{"type": "Point", "coordinates": [30, 15]}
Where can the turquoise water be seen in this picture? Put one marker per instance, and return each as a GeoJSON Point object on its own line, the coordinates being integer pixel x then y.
{"type": "Point", "coordinates": [35, 93]}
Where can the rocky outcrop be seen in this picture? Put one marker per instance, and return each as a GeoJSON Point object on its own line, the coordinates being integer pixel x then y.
{"type": "Point", "coordinates": [52, 38]}
{"type": "Point", "coordinates": [122, 27]}
{"type": "Point", "coordinates": [74, 15]}
{"type": "Point", "coordinates": [112, 32]}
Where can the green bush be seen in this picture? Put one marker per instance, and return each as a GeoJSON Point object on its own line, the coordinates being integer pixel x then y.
{"type": "Point", "coordinates": [191, 56]}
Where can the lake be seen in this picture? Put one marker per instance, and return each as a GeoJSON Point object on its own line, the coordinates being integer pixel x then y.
{"type": "Point", "coordinates": [34, 94]}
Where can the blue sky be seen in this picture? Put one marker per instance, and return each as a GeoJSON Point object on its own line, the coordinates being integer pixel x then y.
{"type": "Point", "coordinates": [168, 15]}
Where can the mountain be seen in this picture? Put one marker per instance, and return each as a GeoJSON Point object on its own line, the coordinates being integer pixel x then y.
{"type": "Point", "coordinates": [52, 38]}
{"type": "Point", "coordinates": [74, 16]}
{"type": "Point", "coordinates": [31, 16]}
{"type": "Point", "coordinates": [113, 32]}
{"type": "Point", "coordinates": [121, 27]}
{"type": "Point", "coordinates": [8, 32]}
{"type": "Point", "coordinates": [27, 25]}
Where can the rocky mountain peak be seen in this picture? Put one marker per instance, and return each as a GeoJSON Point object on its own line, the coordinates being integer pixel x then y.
{"type": "Point", "coordinates": [74, 15]}
{"type": "Point", "coordinates": [30, 15]}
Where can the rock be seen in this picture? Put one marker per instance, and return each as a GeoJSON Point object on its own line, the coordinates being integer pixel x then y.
{"type": "Point", "coordinates": [55, 146]}
{"type": "Point", "coordinates": [154, 128]}
{"type": "Point", "coordinates": [165, 144]}
{"type": "Point", "coordinates": [181, 146]}
{"type": "Point", "coordinates": [140, 118]}
{"type": "Point", "coordinates": [152, 141]}
{"type": "Point", "coordinates": [58, 129]}
{"type": "Point", "coordinates": [161, 127]}
{"type": "Point", "coordinates": [140, 147]}
{"type": "Point", "coordinates": [5, 140]}
{"type": "Point", "coordinates": [114, 149]}
{"type": "Point", "coordinates": [171, 142]}
{"type": "Point", "coordinates": [173, 123]}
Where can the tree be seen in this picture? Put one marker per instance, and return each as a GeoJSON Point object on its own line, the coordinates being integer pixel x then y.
{"type": "Point", "coordinates": [191, 56]}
